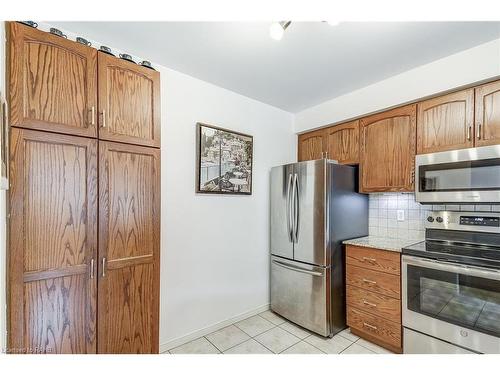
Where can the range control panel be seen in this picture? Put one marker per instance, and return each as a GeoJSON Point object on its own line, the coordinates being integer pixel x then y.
{"type": "Point", "coordinates": [464, 221]}
{"type": "Point", "coordinates": [480, 220]}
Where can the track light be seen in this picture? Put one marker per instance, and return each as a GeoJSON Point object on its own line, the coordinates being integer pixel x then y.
{"type": "Point", "coordinates": [277, 29]}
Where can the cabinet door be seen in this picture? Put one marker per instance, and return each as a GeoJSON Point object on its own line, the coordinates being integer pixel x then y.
{"type": "Point", "coordinates": [129, 102]}
{"type": "Point", "coordinates": [342, 142]}
{"type": "Point", "coordinates": [129, 222]}
{"type": "Point", "coordinates": [53, 82]}
{"type": "Point", "coordinates": [388, 150]}
{"type": "Point", "coordinates": [488, 114]}
{"type": "Point", "coordinates": [52, 241]}
{"type": "Point", "coordinates": [311, 145]}
{"type": "Point", "coordinates": [446, 123]}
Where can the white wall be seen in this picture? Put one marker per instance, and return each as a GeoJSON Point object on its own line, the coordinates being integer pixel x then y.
{"type": "Point", "coordinates": [463, 68]}
{"type": "Point", "coordinates": [214, 249]}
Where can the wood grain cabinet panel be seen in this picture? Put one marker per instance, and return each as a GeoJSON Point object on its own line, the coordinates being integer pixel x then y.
{"type": "Point", "coordinates": [375, 303]}
{"type": "Point", "coordinates": [53, 215]}
{"type": "Point", "coordinates": [129, 209]}
{"type": "Point", "coordinates": [373, 287]}
{"type": "Point", "coordinates": [446, 122]}
{"type": "Point", "coordinates": [379, 330]}
{"type": "Point", "coordinates": [311, 146]}
{"type": "Point", "coordinates": [388, 150]}
{"type": "Point", "coordinates": [52, 82]}
{"type": "Point", "coordinates": [129, 102]}
{"type": "Point", "coordinates": [487, 129]}
{"type": "Point", "coordinates": [374, 281]}
{"type": "Point", "coordinates": [342, 142]}
{"type": "Point", "coordinates": [374, 259]}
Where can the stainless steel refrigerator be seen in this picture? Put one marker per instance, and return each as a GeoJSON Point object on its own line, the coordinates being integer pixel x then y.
{"type": "Point", "coordinates": [314, 207]}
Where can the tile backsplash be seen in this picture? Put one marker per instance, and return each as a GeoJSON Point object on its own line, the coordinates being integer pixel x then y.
{"type": "Point", "coordinates": [383, 215]}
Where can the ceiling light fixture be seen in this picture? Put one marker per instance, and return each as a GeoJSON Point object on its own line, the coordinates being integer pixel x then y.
{"type": "Point", "coordinates": [277, 29]}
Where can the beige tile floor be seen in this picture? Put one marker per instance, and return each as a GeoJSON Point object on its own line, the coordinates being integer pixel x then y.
{"type": "Point", "coordinates": [268, 333]}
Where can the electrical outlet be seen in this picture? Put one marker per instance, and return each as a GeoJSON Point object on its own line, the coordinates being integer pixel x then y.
{"type": "Point", "coordinates": [401, 215]}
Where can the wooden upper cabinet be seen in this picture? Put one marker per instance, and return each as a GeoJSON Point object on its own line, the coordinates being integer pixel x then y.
{"type": "Point", "coordinates": [446, 122]}
{"type": "Point", "coordinates": [52, 241]}
{"type": "Point", "coordinates": [129, 102]}
{"type": "Point", "coordinates": [487, 130]}
{"type": "Point", "coordinates": [52, 82]}
{"type": "Point", "coordinates": [388, 150]}
{"type": "Point", "coordinates": [342, 142]}
{"type": "Point", "coordinates": [129, 246]}
{"type": "Point", "coordinates": [311, 145]}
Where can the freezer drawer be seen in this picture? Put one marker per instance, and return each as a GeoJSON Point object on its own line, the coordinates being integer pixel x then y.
{"type": "Point", "coordinates": [300, 293]}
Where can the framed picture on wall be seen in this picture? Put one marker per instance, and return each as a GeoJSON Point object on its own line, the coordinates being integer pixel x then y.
{"type": "Point", "coordinates": [224, 161]}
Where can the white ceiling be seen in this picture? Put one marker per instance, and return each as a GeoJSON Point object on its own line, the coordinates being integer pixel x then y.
{"type": "Point", "coordinates": [313, 62]}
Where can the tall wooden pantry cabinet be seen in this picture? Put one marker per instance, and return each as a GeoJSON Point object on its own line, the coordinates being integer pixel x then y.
{"type": "Point", "coordinates": [84, 200]}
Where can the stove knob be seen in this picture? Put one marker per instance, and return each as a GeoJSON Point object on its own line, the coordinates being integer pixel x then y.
{"type": "Point", "coordinates": [430, 219]}
{"type": "Point", "coordinates": [439, 219]}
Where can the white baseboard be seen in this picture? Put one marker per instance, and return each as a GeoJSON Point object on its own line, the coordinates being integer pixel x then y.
{"type": "Point", "coordinates": [212, 328]}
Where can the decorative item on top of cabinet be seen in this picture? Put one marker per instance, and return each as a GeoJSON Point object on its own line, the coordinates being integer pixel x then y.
{"type": "Point", "coordinates": [52, 82]}
{"type": "Point", "coordinates": [387, 151]}
{"type": "Point", "coordinates": [446, 122]}
{"type": "Point", "coordinates": [487, 129]}
{"type": "Point", "coordinates": [52, 243]}
{"type": "Point", "coordinates": [129, 248]}
{"type": "Point", "coordinates": [342, 142]}
{"type": "Point", "coordinates": [129, 102]}
{"type": "Point", "coordinates": [311, 145]}
{"type": "Point", "coordinates": [373, 286]}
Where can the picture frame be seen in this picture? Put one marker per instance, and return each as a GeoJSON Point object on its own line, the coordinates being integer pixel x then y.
{"type": "Point", "coordinates": [224, 161]}
{"type": "Point", "coordinates": [4, 144]}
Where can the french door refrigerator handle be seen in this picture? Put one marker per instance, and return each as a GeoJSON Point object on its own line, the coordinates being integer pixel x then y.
{"type": "Point", "coordinates": [296, 213]}
{"type": "Point", "coordinates": [289, 208]}
{"type": "Point", "coordinates": [298, 269]}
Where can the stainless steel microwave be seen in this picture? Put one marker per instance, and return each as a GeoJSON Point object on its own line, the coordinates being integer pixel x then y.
{"type": "Point", "coordinates": [469, 175]}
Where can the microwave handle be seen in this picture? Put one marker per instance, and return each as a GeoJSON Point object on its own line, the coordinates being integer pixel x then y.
{"type": "Point", "coordinates": [439, 265]}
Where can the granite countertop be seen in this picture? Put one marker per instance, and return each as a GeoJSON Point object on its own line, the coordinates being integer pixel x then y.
{"type": "Point", "coordinates": [391, 244]}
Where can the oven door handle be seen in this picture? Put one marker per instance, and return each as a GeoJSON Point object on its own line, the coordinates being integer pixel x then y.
{"type": "Point", "coordinates": [486, 273]}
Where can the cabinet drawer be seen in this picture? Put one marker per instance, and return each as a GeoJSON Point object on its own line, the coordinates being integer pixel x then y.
{"type": "Point", "coordinates": [375, 303]}
{"type": "Point", "coordinates": [379, 328]}
{"type": "Point", "coordinates": [374, 281]}
{"type": "Point", "coordinates": [378, 260]}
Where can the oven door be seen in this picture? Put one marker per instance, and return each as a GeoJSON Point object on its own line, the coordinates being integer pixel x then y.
{"type": "Point", "coordinates": [456, 303]}
{"type": "Point", "coordinates": [465, 176]}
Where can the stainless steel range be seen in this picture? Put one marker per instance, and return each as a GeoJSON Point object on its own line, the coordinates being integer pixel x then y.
{"type": "Point", "coordinates": [451, 285]}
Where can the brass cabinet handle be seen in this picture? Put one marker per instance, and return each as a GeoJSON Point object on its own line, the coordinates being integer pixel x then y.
{"type": "Point", "coordinates": [103, 267]}
{"type": "Point", "coordinates": [375, 328]}
{"type": "Point", "coordinates": [469, 130]}
{"type": "Point", "coordinates": [479, 131]}
{"type": "Point", "coordinates": [92, 268]}
{"type": "Point", "coordinates": [370, 260]}
{"type": "Point", "coordinates": [369, 303]}
{"type": "Point", "coordinates": [103, 114]}
{"type": "Point", "coordinates": [369, 281]}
